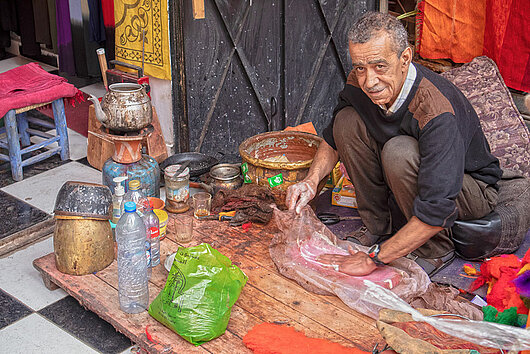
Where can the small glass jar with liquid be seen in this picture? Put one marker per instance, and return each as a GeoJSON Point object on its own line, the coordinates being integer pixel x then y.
{"type": "Point", "coordinates": [177, 189]}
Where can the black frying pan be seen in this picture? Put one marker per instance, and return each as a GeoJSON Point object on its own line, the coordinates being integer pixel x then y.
{"type": "Point", "coordinates": [199, 163]}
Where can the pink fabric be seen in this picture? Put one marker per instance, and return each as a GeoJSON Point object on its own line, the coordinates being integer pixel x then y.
{"type": "Point", "coordinates": [30, 84]}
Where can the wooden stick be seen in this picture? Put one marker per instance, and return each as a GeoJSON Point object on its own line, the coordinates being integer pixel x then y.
{"type": "Point", "coordinates": [102, 64]}
{"type": "Point", "coordinates": [198, 9]}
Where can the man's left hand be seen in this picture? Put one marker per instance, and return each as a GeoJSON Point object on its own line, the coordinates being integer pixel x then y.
{"type": "Point", "coordinates": [356, 263]}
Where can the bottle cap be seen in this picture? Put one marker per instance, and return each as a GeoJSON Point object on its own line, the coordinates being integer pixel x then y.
{"type": "Point", "coordinates": [119, 190]}
{"type": "Point", "coordinates": [134, 184]}
{"type": "Point", "coordinates": [119, 179]}
{"type": "Point", "coordinates": [130, 207]}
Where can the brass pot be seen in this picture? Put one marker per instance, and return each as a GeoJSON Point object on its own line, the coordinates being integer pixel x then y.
{"type": "Point", "coordinates": [225, 176]}
{"type": "Point", "coordinates": [260, 153]}
{"type": "Point", "coordinates": [82, 245]}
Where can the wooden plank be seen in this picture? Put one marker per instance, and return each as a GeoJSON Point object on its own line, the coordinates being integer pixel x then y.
{"type": "Point", "coordinates": [329, 311]}
{"type": "Point", "coordinates": [101, 298]}
{"type": "Point", "coordinates": [26, 236]}
{"type": "Point", "coordinates": [268, 296]}
{"type": "Point", "coordinates": [178, 77]}
{"type": "Point", "coordinates": [263, 306]}
{"type": "Point", "coordinates": [246, 243]}
{"type": "Point", "coordinates": [61, 128]}
{"type": "Point", "coordinates": [99, 148]}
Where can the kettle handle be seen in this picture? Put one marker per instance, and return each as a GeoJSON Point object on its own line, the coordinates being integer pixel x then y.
{"type": "Point", "coordinates": [112, 63]}
{"type": "Point", "coordinates": [146, 86]}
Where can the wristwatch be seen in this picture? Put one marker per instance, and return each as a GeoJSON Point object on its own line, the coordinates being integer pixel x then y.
{"type": "Point", "coordinates": [373, 253]}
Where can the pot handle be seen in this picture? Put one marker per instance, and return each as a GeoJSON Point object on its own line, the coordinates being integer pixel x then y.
{"type": "Point", "coordinates": [219, 153]}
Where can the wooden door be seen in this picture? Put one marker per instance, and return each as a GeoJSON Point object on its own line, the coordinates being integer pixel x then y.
{"type": "Point", "coordinates": [252, 66]}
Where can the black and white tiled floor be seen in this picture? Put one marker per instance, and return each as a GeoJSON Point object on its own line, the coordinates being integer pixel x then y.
{"type": "Point", "coordinates": [33, 318]}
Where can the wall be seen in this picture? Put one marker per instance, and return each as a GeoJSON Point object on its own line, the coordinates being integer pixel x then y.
{"type": "Point", "coordinates": [161, 99]}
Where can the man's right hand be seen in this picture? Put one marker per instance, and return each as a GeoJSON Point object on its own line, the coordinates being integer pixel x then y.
{"type": "Point", "coordinates": [299, 194]}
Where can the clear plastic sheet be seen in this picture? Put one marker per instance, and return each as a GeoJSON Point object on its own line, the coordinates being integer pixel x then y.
{"type": "Point", "coordinates": [484, 333]}
{"type": "Point", "coordinates": [302, 237]}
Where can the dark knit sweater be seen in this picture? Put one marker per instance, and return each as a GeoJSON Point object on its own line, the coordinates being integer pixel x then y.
{"type": "Point", "coordinates": [450, 139]}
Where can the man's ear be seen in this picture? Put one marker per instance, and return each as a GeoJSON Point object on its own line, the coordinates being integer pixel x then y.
{"type": "Point", "coordinates": [406, 58]}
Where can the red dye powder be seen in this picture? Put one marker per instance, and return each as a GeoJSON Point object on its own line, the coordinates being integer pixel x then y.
{"type": "Point", "coordinates": [269, 338]}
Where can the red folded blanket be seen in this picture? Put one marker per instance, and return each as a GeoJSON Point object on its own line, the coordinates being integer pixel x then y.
{"type": "Point", "coordinates": [30, 84]}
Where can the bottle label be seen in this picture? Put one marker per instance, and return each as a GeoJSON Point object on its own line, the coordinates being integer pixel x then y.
{"type": "Point", "coordinates": [244, 173]}
{"type": "Point", "coordinates": [116, 212]}
{"type": "Point", "coordinates": [155, 232]}
{"type": "Point", "coordinates": [148, 253]}
{"type": "Point", "coordinates": [178, 194]}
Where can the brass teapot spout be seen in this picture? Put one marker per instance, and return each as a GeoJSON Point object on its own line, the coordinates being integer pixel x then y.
{"type": "Point", "coordinates": [100, 115]}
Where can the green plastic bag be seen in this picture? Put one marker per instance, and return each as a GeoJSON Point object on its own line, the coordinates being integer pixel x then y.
{"type": "Point", "coordinates": [200, 290]}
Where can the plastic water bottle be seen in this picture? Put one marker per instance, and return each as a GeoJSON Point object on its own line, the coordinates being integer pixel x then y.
{"type": "Point", "coordinates": [153, 235]}
{"type": "Point", "coordinates": [133, 290]}
{"type": "Point", "coordinates": [137, 197]}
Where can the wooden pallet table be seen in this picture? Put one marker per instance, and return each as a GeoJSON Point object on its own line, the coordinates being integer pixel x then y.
{"type": "Point", "coordinates": [267, 297]}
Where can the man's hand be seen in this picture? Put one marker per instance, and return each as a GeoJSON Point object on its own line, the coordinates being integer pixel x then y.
{"type": "Point", "coordinates": [299, 194]}
{"type": "Point", "coordinates": [356, 263]}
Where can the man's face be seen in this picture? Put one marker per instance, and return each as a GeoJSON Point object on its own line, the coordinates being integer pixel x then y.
{"type": "Point", "coordinates": [380, 72]}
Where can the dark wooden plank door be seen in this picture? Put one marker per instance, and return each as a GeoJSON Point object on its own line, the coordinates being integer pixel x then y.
{"type": "Point", "coordinates": [257, 65]}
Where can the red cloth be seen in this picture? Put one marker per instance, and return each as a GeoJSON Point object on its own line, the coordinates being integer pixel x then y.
{"type": "Point", "coordinates": [507, 40]}
{"type": "Point", "coordinates": [29, 84]}
{"type": "Point", "coordinates": [499, 273]}
{"type": "Point", "coordinates": [108, 12]}
{"type": "Point", "coordinates": [269, 338]}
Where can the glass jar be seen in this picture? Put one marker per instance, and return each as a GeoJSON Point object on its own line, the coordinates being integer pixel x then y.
{"type": "Point", "coordinates": [177, 189]}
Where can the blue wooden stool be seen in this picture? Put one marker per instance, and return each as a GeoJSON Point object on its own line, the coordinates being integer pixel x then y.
{"type": "Point", "coordinates": [18, 133]}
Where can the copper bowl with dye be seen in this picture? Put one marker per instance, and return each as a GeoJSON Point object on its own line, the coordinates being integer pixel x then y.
{"type": "Point", "coordinates": [268, 155]}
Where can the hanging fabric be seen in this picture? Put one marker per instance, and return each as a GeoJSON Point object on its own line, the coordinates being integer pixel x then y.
{"type": "Point", "coordinates": [507, 40]}
{"type": "Point", "coordinates": [452, 29]}
{"type": "Point", "coordinates": [97, 29]}
{"type": "Point", "coordinates": [65, 46]}
{"type": "Point", "coordinates": [53, 23]}
{"type": "Point", "coordinates": [108, 20]}
{"type": "Point", "coordinates": [86, 60]}
{"type": "Point", "coordinates": [42, 22]}
{"type": "Point", "coordinates": [26, 27]}
{"type": "Point", "coordinates": [8, 22]}
{"type": "Point", "coordinates": [142, 33]}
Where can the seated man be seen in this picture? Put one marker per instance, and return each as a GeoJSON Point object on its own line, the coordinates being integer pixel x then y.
{"type": "Point", "coordinates": [402, 129]}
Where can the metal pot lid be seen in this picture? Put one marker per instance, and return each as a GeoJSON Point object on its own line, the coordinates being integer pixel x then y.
{"type": "Point", "coordinates": [172, 169]}
{"type": "Point", "coordinates": [84, 199]}
{"type": "Point", "coordinates": [224, 172]}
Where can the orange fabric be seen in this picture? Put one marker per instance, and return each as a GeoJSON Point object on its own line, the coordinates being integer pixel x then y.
{"type": "Point", "coordinates": [306, 128]}
{"type": "Point", "coordinates": [269, 338]}
{"type": "Point", "coordinates": [452, 29]}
